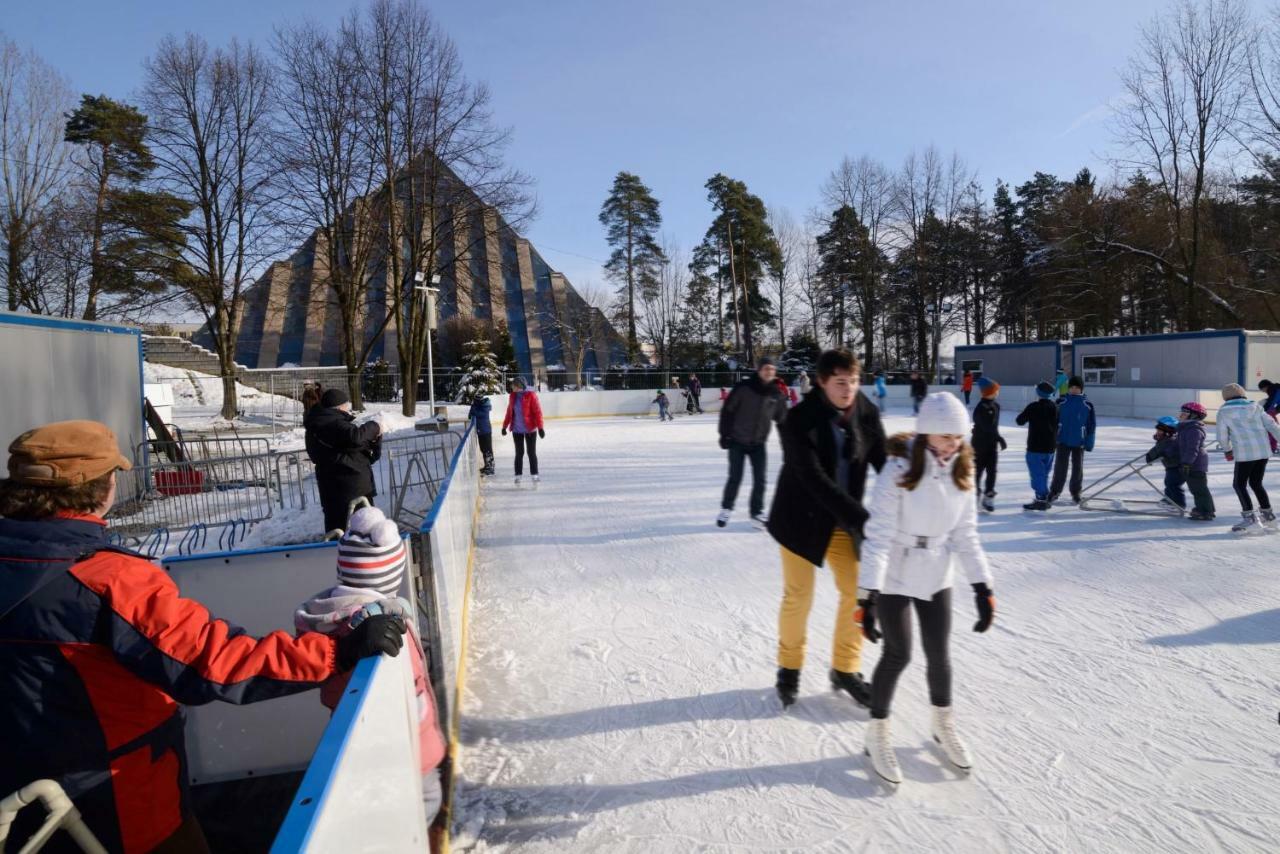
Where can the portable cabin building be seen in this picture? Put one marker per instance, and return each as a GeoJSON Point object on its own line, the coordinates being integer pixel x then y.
{"type": "Point", "coordinates": [1203, 360]}
{"type": "Point", "coordinates": [1013, 364]}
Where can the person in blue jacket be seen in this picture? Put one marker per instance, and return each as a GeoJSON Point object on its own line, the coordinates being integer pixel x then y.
{"type": "Point", "coordinates": [1076, 428]}
{"type": "Point", "coordinates": [481, 410]}
{"type": "Point", "coordinates": [1061, 384]}
{"type": "Point", "coordinates": [881, 391]}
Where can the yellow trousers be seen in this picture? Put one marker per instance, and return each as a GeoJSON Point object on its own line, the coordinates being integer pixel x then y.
{"type": "Point", "coordinates": [797, 599]}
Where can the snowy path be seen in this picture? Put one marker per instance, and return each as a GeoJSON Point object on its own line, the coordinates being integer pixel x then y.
{"type": "Point", "coordinates": [622, 654]}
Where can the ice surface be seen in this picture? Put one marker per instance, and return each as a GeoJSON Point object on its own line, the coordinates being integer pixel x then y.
{"type": "Point", "coordinates": [622, 659]}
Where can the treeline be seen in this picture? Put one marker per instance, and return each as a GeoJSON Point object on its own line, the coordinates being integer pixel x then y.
{"type": "Point", "coordinates": [357, 137]}
{"type": "Point", "coordinates": [1184, 235]}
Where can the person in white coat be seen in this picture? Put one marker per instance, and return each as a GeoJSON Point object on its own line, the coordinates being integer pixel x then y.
{"type": "Point", "coordinates": [1242, 431]}
{"type": "Point", "coordinates": [923, 521]}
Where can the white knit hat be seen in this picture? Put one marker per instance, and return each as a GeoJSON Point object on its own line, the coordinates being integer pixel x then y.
{"type": "Point", "coordinates": [942, 413]}
{"type": "Point", "coordinates": [371, 553]}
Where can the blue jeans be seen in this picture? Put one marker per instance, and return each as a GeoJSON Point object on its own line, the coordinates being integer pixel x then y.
{"type": "Point", "coordinates": [738, 454]}
{"type": "Point", "coordinates": [1039, 466]}
{"type": "Point", "coordinates": [1173, 481]}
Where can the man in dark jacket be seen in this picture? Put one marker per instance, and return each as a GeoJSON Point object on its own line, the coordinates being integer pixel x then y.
{"type": "Point", "coordinates": [987, 442]}
{"type": "Point", "coordinates": [828, 441]}
{"type": "Point", "coordinates": [1041, 418]}
{"type": "Point", "coordinates": [695, 392]}
{"type": "Point", "coordinates": [753, 406]}
{"type": "Point", "coordinates": [1077, 427]}
{"type": "Point", "coordinates": [99, 652]}
{"type": "Point", "coordinates": [481, 412]}
{"type": "Point", "coordinates": [919, 391]}
{"type": "Point", "coordinates": [344, 453]}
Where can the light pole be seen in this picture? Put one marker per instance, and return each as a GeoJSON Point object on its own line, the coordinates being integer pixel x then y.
{"type": "Point", "coordinates": [429, 293]}
{"type": "Point", "coordinates": [935, 312]}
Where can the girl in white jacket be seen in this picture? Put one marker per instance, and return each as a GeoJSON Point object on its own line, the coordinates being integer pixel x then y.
{"type": "Point", "coordinates": [1243, 430]}
{"type": "Point", "coordinates": [923, 521]}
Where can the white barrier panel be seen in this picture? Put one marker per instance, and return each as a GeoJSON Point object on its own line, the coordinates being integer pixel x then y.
{"type": "Point", "coordinates": [1140, 403]}
{"type": "Point", "coordinates": [258, 590]}
{"type": "Point", "coordinates": [363, 789]}
{"type": "Point", "coordinates": [589, 404]}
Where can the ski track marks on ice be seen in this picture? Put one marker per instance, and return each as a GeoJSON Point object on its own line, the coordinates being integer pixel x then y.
{"type": "Point", "coordinates": [622, 659]}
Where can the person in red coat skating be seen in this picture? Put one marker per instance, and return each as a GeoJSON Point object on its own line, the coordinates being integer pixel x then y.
{"type": "Point", "coordinates": [524, 420]}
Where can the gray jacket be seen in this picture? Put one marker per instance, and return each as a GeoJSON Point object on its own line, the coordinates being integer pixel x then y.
{"type": "Point", "coordinates": [752, 406]}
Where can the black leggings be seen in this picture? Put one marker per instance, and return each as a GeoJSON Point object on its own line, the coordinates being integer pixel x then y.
{"type": "Point", "coordinates": [935, 635]}
{"type": "Point", "coordinates": [1249, 476]}
{"type": "Point", "coordinates": [984, 462]}
{"type": "Point", "coordinates": [530, 441]}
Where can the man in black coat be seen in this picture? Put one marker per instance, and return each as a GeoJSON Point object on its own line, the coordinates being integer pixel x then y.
{"type": "Point", "coordinates": [344, 453]}
{"type": "Point", "coordinates": [919, 390]}
{"type": "Point", "coordinates": [828, 441]}
{"type": "Point", "coordinates": [753, 406]}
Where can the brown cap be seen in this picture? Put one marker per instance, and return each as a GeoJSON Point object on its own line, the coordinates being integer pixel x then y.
{"type": "Point", "coordinates": [65, 453]}
{"type": "Point", "coordinates": [1231, 391]}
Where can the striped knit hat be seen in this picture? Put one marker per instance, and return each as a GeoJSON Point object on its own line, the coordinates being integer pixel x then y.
{"type": "Point", "coordinates": [371, 554]}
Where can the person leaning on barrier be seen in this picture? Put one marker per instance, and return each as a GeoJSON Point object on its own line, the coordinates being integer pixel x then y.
{"type": "Point", "coordinates": [99, 651]}
{"type": "Point", "coordinates": [344, 453]}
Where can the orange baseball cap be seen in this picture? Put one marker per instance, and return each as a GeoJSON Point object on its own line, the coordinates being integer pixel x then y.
{"type": "Point", "coordinates": [65, 453]}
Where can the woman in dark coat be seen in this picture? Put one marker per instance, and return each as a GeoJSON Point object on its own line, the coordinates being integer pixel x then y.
{"type": "Point", "coordinates": [344, 453]}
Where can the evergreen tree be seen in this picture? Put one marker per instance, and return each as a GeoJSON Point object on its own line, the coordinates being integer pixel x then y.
{"type": "Point", "coordinates": [631, 219]}
{"type": "Point", "coordinates": [848, 264]}
{"type": "Point", "coordinates": [504, 351]}
{"type": "Point", "coordinates": [480, 374]}
{"type": "Point", "coordinates": [136, 233]}
{"type": "Point", "coordinates": [739, 249]}
{"type": "Point", "coordinates": [801, 354]}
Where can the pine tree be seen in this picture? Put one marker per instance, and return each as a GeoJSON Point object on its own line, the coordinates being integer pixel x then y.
{"type": "Point", "coordinates": [848, 264]}
{"type": "Point", "coordinates": [137, 234]}
{"type": "Point", "coordinates": [504, 351]}
{"type": "Point", "coordinates": [480, 374]}
{"type": "Point", "coordinates": [631, 219]}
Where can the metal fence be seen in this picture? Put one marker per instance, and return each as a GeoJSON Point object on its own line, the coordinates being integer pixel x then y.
{"type": "Point", "coordinates": [195, 492]}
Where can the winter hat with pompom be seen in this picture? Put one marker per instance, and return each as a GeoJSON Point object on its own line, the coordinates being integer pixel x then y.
{"type": "Point", "coordinates": [371, 554]}
{"type": "Point", "coordinates": [1044, 390]}
{"type": "Point", "coordinates": [1231, 391]}
{"type": "Point", "coordinates": [942, 414]}
{"type": "Point", "coordinates": [988, 387]}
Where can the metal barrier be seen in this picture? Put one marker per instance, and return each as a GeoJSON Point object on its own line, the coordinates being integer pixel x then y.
{"type": "Point", "coordinates": [215, 446]}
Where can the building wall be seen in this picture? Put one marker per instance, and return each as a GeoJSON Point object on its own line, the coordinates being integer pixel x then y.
{"type": "Point", "coordinates": [1262, 358]}
{"type": "Point", "coordinates": [1185, 360]}
{"type": "Point", "coordinates": [1012, 364]}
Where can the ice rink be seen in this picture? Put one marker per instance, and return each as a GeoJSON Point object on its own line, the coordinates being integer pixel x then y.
{"type": "Point", "coordinates": [620, 678]}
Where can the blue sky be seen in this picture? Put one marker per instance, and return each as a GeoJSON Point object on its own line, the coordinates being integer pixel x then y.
{"type": "Point", "coordinates": [772, 93]}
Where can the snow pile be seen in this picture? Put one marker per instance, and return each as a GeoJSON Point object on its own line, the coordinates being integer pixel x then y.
{"type": "Point", "coordinates": [620, 692]}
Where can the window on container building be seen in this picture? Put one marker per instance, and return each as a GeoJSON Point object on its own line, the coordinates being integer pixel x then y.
{"type": "Point", "coordinates": [1099, 370]}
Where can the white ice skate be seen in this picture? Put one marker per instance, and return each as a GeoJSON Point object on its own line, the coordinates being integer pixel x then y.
{"type": "Point", "coordinates": [536, 481]}
{"type": "Point", "coordinates": [880, 749]}
{"type": "Point", "coordinates": [1268, 519]}
{"type": "Point", "coordinates": [760, 520]}
{"type": "Point", "coordinates": [1249, 525]}
{"type": "Point", "coordinates": [723, 518]}
{"type": "Point", "coordinates": [944, 733]}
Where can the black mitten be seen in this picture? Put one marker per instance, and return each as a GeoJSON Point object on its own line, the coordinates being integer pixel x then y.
{"type": "Point", "coordinates": [866, 614]}
{"type": "Point", "coordinates": [985, 601]}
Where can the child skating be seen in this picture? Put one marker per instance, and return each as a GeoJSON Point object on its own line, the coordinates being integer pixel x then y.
{"type": "Point", "coordinates": [1243, 429]}
{"type": "Point", "coordinates": [1165, 450]}
{"type": "Point", "coordinates": [923, 520]}
{"type": "Point", "coordinates": [664, 406]}
{"type": "Point", "coordinates": [987, 442]}
{"type": "Point", "coordinates": [1193, 460]}
{"type": "Point", "coordinates": [1041, 419]}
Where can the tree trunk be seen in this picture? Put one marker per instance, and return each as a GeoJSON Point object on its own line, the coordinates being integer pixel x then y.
{"type": "Point", "coordinates": [95, 253]}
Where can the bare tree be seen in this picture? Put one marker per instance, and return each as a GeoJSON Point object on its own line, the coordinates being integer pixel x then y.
{"type": "Point", "coordinates": [783, 274]}
{"type": "Point", "coordinates": [809, 282]}
{"type": "Point", "coordinates": [917, 192]}
{"type": "Point", "coordinates": [661, 305]}
{"type": "Point", "coordinates": [1185, 101]}
{"type": "Point", "coordinates": [580, 320]}
{"type": "Point", "coordinates": [331, 175]}
{"type": "Point", "coordinates": [209, 113]}
{"type": "Point", "coordinates": [33, 99]}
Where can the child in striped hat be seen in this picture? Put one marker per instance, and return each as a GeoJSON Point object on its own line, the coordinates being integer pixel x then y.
{"type": "Point", "coordinates": [371, 568]}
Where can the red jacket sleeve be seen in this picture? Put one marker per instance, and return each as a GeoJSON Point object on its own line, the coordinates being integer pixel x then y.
{"type": "Point", "coordinates": [511, 412]}
{"type": "Point", "coordinates": [535, 410]}
{"type": "Point", "coordinates": [175, 644]}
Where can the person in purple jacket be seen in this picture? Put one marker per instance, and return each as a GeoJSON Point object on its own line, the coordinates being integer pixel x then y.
{"type": "Point", "coordinates": [1194, 460]}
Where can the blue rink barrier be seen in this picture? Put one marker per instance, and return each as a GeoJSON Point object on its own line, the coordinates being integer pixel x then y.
{"type": "Point", "coordinates": [362, 790]}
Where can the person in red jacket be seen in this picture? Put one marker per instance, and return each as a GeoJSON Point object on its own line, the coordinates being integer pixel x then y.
{"type": "Point", "coordinates": [99, 652]}
{"type": "Point", "coordinates": [966, 386]}
{"type": "Point", "coordinates": [524, 420]}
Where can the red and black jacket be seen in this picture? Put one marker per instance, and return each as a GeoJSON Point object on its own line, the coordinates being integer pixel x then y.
{"type": "Point", "coordinates": [97, 652]}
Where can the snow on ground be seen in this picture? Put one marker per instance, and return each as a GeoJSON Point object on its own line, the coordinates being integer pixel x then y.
{"type": "Point", "coordinates": [621, 667]}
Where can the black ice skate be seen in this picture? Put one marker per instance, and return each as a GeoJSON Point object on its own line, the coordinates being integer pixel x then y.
{"type": "Point", "coordinates": [853, 685]}
{"type": "Point", "coordinates": [989, 502]}
{"type": "Point", "coordinates": [788, 685]}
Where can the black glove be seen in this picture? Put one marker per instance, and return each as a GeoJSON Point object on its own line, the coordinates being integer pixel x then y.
{"type": "Point", "coordinates": [504, 431]}
{"type": "Point", "coordinates": [542, 434]}
{"type": "Point", "coordinates": [380, 633]}
{"type": "Point", "coordinates": [866, 615]}
{"type": "Point", "coordinates": [986, 602]}
{"type": "Point", "coordinates": [1004, 446]}
{"type": "Point", "coordinates": [724, 443]}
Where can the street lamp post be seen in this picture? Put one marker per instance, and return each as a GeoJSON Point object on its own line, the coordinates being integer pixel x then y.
{"type": "Point", "coordinates": [935, 313]}
{"type": "Point", "coordinates": [429, 293]}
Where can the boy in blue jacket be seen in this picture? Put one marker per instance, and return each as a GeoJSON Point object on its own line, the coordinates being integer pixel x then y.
{"type": "Point", "coordinates": [481, 409]}
{"type": "Point", "coordinates": [1076, 428]}
{"type": "Point", "coordinates": [1165, 449]}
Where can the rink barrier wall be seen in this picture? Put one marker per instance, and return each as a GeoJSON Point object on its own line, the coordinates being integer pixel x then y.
{"type": "Point", "coordinates": [65, 369]}
{"type": "Point", "coordinates": [603, 404]}
{"type": "Point", "coordinates": [364, 752]}
{"type": "Point", "coordinates": [1108, 401]}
